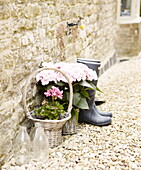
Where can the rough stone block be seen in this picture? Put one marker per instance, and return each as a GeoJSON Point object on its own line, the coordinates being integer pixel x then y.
{"type": "Point", "coordinates": [32, 10]}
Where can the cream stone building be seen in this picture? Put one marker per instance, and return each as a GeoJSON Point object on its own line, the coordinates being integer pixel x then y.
{"type": "Point", "coordinates": [128, 40]}
{"type": "Point", "coordinates": [35, 31]}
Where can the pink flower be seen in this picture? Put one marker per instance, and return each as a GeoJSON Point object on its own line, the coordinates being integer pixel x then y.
{"type": "Point", "coordinates": [47, 93]}
{"type": "Point", "coordinates": [54, 92]}
{"type": "Point", "coordinates": [75, 72]}
{"type": "Point", "coordinates": [46, 76]}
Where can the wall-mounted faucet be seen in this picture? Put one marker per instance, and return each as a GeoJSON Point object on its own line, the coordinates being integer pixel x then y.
{"type": "Point", "coordinates": [69, 25]}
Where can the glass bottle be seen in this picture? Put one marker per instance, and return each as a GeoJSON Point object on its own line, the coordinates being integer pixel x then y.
{"type": "Point", "coordinates": [22, 146]}
{"type": "Point", "coordinates": [40, 146]}
{"type": "Point", "coordinates": [32, 133]}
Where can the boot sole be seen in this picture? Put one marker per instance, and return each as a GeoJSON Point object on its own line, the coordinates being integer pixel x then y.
{"type": "Point", "coordinates": [106, 115]}
{"type": "Point", "coordinates": [96, 124]}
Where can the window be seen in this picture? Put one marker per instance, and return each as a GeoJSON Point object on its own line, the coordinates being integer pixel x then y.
{"type": "Point", "coordinates": [125, 9]}
{"type": "Point", "coordinates": [140, 9]}
{"type": "Point", "coordinates": [128, 11]}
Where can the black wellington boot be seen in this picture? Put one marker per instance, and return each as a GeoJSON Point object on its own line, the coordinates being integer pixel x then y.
{"type": "Point", "coordinates": [90, 115]}
{"type": "Point", "coordinates": [94, 65]}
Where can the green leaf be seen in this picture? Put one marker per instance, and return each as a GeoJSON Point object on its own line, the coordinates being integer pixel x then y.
{"type": "Point", "coordinates": [60, 83]}
{"type": "Point", "coordinates": [98, 89]}
{"type": "Point", "coordinates": [83, 104]}
{"type": "Point", "coordinates": [75, 112]}
{"type": "Point", "coordinates": [87, 84]}
{"type": "Point", "coordinates": [76, 98]}
{"type": "Point", "coordinates": [76, 88]}
{"type": "Point", "coordinates": [67, 95]}
{"type": "Point", "coordinates": [95, 87]}
{"type": "Point", "coordinates": [84, 93]}
{"type": "Point", "coordinates": [48, 87]}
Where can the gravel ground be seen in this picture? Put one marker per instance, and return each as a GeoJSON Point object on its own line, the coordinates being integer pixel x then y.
{"type": "Point", "coordinates": [113, 147]}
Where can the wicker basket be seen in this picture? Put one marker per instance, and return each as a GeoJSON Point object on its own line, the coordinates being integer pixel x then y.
{"type": "Point", "coordinates": [52, 128]}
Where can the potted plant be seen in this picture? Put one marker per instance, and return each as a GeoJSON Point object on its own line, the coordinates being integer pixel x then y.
{"type": "Point", "coordinates": [81, 78]}
{"type": "Point", "coordinates": [50, 112]}
{"type": "Point", "coordinates": [50, 108]}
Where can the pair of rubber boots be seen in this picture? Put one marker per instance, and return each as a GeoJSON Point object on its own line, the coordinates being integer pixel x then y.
{"type": "Point", "coordinates": [93, 115]}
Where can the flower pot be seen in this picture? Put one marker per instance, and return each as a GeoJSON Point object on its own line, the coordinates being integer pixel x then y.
{"type": "Point", "coordinates": [70, 126]}
{"type": "Point", "coordinates": [52, 128]}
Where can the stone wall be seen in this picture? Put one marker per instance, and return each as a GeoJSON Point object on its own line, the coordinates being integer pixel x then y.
{"type": "Point", "coordinates": [128, 42]}
{"type": "Point", "coordinates": [35, 31]}
{"type": "Point", "coordinates": [139, 37]}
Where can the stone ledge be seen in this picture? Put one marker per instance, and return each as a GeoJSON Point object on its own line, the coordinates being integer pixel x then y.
{"type": "Point", "coordinates": [111, 60]}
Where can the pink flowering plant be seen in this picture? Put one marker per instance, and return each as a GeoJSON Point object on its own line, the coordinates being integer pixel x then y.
{"type": "Point", "coordinates": [54, 85]}
{"type": "Point", "coordinates": [51, 109]}
{"type": "Point", "coordinates": [54, 93]}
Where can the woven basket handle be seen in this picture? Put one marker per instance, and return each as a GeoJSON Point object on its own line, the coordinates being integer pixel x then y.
{"type": "Point", "coordinates": [28, 82]}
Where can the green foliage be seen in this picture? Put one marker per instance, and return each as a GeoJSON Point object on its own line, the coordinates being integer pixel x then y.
{"type": "Point", "coordinates": [87, 84]}
{"type": "Point", "coordinates": [49, 111]}
{"type": "Point", "coordinates": [75, 112]}
{"type": "Point", "coordinates": [80, 96]}
{"type": "Point", "coordinates": [76, 98]}
{"type": "Point", "coordinates": [82, 104]}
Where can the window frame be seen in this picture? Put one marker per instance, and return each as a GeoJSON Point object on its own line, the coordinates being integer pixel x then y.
{"type": "Point", "coordinates": [135, 13]}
